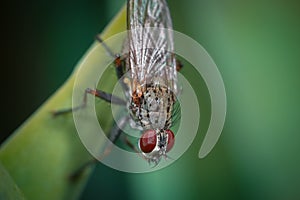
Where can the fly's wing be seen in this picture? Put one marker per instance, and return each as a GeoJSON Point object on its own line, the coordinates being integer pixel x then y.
{"type": "Point", "coordinates": [150, 42]}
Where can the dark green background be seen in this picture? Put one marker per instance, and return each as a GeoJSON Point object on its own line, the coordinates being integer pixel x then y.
{"type": "Point", "coordinates": [255, 45]}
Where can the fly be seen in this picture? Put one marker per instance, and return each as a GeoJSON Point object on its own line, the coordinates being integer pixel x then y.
{"type": "Point", "coordinates": [151, 66]}
{"type": "Point", "coordinates": [148, 75]}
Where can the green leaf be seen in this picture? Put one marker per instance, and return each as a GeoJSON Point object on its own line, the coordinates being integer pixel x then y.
{"type": "Point", "coordinates": [45, 150]}
{"type": "Point", "coordinates": [8, 189]}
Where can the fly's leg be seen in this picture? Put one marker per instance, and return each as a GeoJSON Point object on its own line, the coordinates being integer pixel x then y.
{"type": "Point", "coordinates": [117, 128]}
{"type": "Point", "coordinates": [97, 93]}
{"type": "Point", "coordinates": [114, 135]}
{"type": "Point", "coordinates": [119, 64]}
{"type": "Point", "coordinates": [179, 65]}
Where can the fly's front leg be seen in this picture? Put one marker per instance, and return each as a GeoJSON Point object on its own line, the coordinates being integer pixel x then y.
{"type": "Point", "coordinates": [97, 93]}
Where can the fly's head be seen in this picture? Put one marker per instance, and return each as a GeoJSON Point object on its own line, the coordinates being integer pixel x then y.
{"type": "Point", "coordinates": [154, 144]}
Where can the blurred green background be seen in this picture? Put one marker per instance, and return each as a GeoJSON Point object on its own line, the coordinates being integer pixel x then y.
{"type": "Point", "coordinates": [255, 45]}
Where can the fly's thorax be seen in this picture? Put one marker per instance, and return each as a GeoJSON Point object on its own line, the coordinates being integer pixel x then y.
{"type": "Point", "coordinates": [151, 107]}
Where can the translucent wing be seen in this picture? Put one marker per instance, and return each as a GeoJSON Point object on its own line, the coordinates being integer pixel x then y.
{"type": "Point", "coordinates": [150, 42]}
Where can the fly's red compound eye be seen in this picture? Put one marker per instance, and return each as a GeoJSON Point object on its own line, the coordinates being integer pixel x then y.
{"type": "Point", "coordinates": [171, 140]}
{"type": "Point", "coordinates": [148, 141]}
